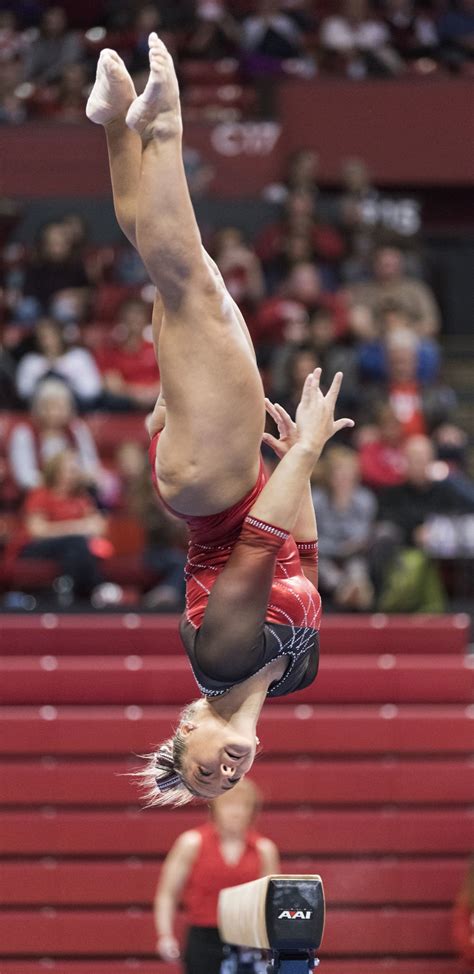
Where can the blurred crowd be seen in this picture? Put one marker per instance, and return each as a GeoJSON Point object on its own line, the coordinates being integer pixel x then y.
{"type": "Point", "coordinates": [228, 52]}
{"type": "Point", "coordinates": [337, 283]}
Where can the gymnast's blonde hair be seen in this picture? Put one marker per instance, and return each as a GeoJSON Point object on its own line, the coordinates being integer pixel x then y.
{"type": "Point", "coordinates": [162, 779]}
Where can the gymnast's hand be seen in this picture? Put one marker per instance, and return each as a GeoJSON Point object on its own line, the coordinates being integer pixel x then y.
{"type": "Point", "coordinates": [168, 948]}
{"type": "Point", "coordinates": [315, 423]}
{"type": "Point", "coordinates": [287, 432]}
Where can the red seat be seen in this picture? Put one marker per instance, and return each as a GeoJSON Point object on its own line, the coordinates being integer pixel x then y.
{"type": "Point", "coordinates": [58, 882]}
{"type": "Point", "coordinates": [335, 832]}
{"type": "Point", "coordinates": [158, 635]}
{"type": "Point", "coordinates": [138, 680]}
{"type": "Point", "coordinates": [284, 729]}
{"type": "Point", "coordinates": [123, 932]}
{"type": "Point", "coordinates": [291, 782]}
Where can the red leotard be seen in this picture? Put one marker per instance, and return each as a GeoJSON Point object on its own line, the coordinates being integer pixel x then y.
{"type": "Point", "coordinates": [277, 609]}
{"type": "Point", "coordinates": [293, 598]}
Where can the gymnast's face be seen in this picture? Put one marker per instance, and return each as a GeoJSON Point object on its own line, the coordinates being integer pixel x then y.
{"type": "Point", "coordinates": [216, 757]}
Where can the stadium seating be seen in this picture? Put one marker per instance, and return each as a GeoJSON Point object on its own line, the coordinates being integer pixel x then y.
{"type": "Point", "coordinates": [366, 778]}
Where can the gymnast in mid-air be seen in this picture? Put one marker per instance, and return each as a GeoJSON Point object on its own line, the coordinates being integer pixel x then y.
{"type": "Point", "coordinates": [252, 616]}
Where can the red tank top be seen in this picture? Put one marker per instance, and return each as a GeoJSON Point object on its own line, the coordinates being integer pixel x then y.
{"type": "Point", "coordinates": [211, 873]}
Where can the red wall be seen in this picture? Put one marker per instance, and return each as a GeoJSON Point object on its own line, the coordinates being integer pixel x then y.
{"type": "Point", "coordinates": [410, 132]}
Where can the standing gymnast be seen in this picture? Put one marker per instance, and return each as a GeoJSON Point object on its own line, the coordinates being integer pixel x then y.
{"type": "Point", "coordinates": [252, 616]}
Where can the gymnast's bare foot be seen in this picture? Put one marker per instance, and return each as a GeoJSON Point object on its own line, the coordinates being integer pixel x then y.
{"type": "Point", "coordinates": [156, 113]}
{"type": "Point", "coordinates": [113, 91]}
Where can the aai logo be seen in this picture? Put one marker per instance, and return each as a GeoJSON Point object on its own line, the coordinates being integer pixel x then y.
{"type": "Point", "coordinates": [295, 915]}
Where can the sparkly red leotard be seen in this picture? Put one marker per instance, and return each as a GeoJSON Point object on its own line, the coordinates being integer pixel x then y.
{"type": "Point", "coordinates": [290, 616]}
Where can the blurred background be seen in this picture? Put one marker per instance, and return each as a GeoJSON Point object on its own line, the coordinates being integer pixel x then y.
{"type": "Point", "coordinates": [328, 148]}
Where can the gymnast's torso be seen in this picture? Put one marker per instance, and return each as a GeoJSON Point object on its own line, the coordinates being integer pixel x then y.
{"type": "Point", "coordinates": [293, 612]}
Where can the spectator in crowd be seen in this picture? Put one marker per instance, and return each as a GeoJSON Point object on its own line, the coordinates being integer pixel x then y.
{"type": "Point", "coordinates": [412, 31]}
{"type": "Point", "coordinates": [70, 94]}
{"type": "Point", "coordinates": [128, 364]}
{"type": "Point", "coordinates": [216, 33]}
{"type": "Point", "coordinates": [409, 505]}
{"type": "Point", "coordinates": [53, 49]}
{"type": "Point", "coordinates": [456, 30]}
{"type": "Point", "coordinates": [301, 176]}
{"type": "Point", "coordinates": [367, 217]}
{"type": "Point", "coordinates": [418, 407]}
{"type": "Point", "coordinates": [224, 852]}
{"type": "Point", "coordinates": [356, 42]}
{"type": "Point", "coordinates": [12, 107]}
{"type": "Point", "coordinates": [299, 236]}
{"type": "Point", "coordinates": [463, 919]}
{"type": "Point", "coordinates": [270, 36]}
{"type": "Point", "coordinates": [52, 358]}
{"type": "Point", "coordinates": [52, 428]}
{"type": "Point", "coordinates": [55, 280]}
{"type": "Point", "coordinates": [406, 578]}
{"type": "Point", "coordinates": [390, 284]}
{"type": "Point", "coordinates": [303, 286]}
{"type": "Point", "coordinates": [381, 455]}
{"type": "Point", "coordinates": [346, 517]}
{"type": "Point", "coordinates": [62, 522]}
{"type": "Point", "coordinates": [336, 353]}
{"type": "Point", "coordinates": [300, 363]}
{"type": "Point", "coordinates": [165, 536]}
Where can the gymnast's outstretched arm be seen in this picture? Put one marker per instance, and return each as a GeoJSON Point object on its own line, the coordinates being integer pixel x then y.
{"type": "Point", "coordinates": [237, 606]}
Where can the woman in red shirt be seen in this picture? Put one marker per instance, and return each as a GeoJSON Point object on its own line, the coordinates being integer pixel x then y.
{"type": "Point", "coordinates": [224, 852]}
{"type": "Point", "coordinates": [61, 522]}
{"type": "Point", "coordinates": [252, 618]}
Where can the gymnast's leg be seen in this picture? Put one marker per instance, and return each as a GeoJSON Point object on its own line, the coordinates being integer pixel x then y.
{"type": "Point", "coordinates": [208, 454]}
{"type": "Point", "coordinates": [212, 388]}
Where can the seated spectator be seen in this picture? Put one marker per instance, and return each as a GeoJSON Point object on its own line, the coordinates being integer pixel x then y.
{"type": "Point", "coordinates": [390, 284]}
{"type": "Point", "coordinates": [61, 522]}
{"type": "Point", "coordinates": [301, 176]}
{"type": "Point", "coordinates": [412, 31]}
{"type": "Point", "coordinates": [12, 107]}
{"type": "Point", "coordinates": [70, 94]}
{"type": "Point", "coordinates": [272, 40]}
{"type": "Point", "coordinates": [417, 407]}
{"type": "Point", "coordinates": [335, 354]}
{"type": "Point", "coordinates": [128, 365]}
{"type": "Point", "coordinates": [409, 505]}
{"type": "Point", "coordinates": [406, 578]}
{"type": "Point", "coordinates": [366, 217]}
{"type": "Point", "coordinates": [300, 363]}
{"type": "Point", "coordinates": [303, 285]}
{"type": "Point", "coordinates": [146, 20]}
{"type": "Point", "coordinates": [166, 536]}
{"type": "Point", "coordinates": [357, 43]}
{"type": "Point", "coordinates": [346, 516]}
{"type": "Point", "coordinates": [300, 223]}
{"type": "Point", "coordinates": [240, 268]}
{"type": "Point", "coordinates": [373, 344]}
{"type": "Point", "coordinates": [52, 358]}
{"type": "Point", "coordinates": [52, 428]}
{"type": "Point", "coordinates": [216, 33]}
{"type": "Point", "coordinates": [381, 455]}
{"type": "Point", "coordinates": [456, 30]}
{"type": "Point", "coordinates": [53, 48]}
{"type": "Point", "coordinates": [55, 280]}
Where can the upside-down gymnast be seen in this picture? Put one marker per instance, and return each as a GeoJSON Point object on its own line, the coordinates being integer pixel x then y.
{"type": "Point", "coordinates": [252, 616]}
